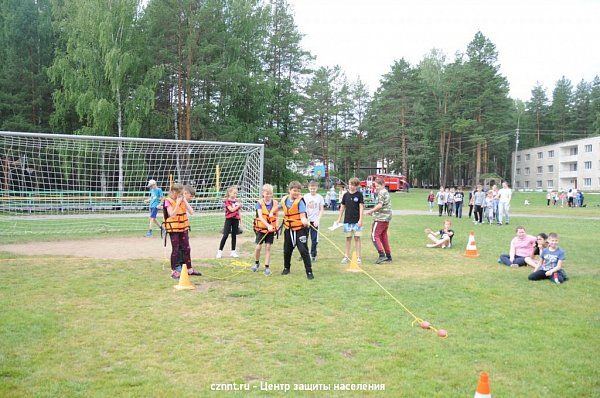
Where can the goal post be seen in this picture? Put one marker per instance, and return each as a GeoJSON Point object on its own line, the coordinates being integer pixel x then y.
{"type": "Point", "coordinates": [56, 183]}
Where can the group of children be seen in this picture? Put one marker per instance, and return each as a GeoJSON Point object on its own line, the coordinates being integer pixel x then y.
{"type": "Point", "coordinates": [540, 252]}
{"type": "Point", "coordinates": [301, 219]}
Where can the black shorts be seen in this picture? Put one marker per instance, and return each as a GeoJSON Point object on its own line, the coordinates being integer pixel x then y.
{"type": "Point", "coordinates": [267, 239]}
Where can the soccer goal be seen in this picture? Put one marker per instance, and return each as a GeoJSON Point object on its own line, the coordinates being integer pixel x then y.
{"type": "Point", "coordinates": [54, 183]}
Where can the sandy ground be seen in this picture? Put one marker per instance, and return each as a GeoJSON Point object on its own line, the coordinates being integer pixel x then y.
{"type": "Point", "coordinates": [119, 248]}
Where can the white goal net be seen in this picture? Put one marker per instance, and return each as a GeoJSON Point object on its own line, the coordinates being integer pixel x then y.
{"type": "Point", "coordinates": [61, 184]}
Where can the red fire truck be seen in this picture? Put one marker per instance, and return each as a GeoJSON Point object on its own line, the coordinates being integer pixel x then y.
{"type": "Point", "coordinates": [393, 182]}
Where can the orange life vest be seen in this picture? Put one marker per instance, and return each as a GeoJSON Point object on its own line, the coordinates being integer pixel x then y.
{"type": "Point", "coordinates": [260, 226]}
{"type": "Point", "coordinates": [178, 222]}
{"type": "Point", "coordinates": [291, 215]}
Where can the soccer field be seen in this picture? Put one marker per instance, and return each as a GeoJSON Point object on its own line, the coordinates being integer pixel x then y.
{"type": "Point", "coordinates": [97, 327]}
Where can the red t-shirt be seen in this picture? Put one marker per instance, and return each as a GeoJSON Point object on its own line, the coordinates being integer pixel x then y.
{"type": "Point", "coordinates": [231, 214]}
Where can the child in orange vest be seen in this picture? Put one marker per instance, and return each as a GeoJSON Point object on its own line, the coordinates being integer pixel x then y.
{"type": "Point", "coordinates": [265, 227]}
{"type": "Point", "coordinates": [177, 225]}
{"type": "Point", "coordinates": [296, 232]}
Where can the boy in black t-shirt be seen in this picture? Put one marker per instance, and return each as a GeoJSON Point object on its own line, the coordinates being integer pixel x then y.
{"type": "Point", "coordinates": [351, 207]}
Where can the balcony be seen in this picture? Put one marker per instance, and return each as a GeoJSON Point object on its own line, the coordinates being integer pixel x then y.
{"type": "Point", "coordinates": [569, 158]}
{"type": "Point", "coordinates": [568, 174]}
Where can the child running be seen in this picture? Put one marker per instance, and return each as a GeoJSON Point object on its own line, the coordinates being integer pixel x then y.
{"type": "Point", "coordinates": [295, 223]}
{"type": "Point", "coordinates": [551, 264]}
{"type": "Point", "coordinates": [265, 227]}
{"type": "Point", "coordinates": [232, 221]}
{"type": "Point", "coordinates": [176, 209]}
{"type": "Point", "coordinates": [441, 238]}
{"type": "Point", "coordinates": [382, 215]}
{"type": "Point", "coordinates": [315, 205]}
{"type": "Point", "coordinates": [351, 208]}
{"type": "Point", "coordinates": [154, 201]}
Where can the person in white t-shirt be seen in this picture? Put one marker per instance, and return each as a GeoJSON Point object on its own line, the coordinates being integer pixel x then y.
{"type": "Point", "coordinates": [315, 204]}
{"type": "Point", "coordinates": [505, 195]}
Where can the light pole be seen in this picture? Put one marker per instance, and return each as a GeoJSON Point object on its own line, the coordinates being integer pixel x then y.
{"type": "Point", "coordinates": [514, 176]}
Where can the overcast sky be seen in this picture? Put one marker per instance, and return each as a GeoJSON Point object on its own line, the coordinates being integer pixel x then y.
{"type": "Point", "coordinates": [536, 40]}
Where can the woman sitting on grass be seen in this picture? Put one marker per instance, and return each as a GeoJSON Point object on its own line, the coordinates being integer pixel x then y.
{"type": "Point", "coordinates": [540, 244]}
{"type": "Point", "coordinates": [441, 238]}
{"type": "Point", "coordinates": [521, 246]}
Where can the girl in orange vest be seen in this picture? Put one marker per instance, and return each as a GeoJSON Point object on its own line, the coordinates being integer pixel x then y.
{"type": "Point", "coordinates": [177, 224]}
{"type": "Point", "coordinates": [296, 232]}
{"type": "Point", "coordinates": [265, 226]}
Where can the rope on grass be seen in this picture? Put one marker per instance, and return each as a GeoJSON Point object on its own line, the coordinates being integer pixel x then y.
{"type": "Point", "coordinates": [416, 319]}
{"type": "Point", "coordinates": [235, 263]}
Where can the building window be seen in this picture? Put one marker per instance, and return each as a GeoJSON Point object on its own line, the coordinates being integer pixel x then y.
{"type": "Point", "coordinates": [526, 184]}
{"type": "Point", "coordinates": [551, 153]}
{"type": "Point", "coordinates": [540, 169]}
{"type": "Point", "coordinates": [540, 155]}
{"type": "Point", "coordinates": [587, 165]}
{"type": "Point", "coordinates": [572, 166]}
{"type": "Point", "coordinates": [518, 184]}
{"type": "Point", "coordinates": [527, 156]}
{"type": "Point", "coordinates": [538, 184]}
{"type": "Point", "coordinates": [526, 171]}
{"type": "Point", "coordinates": [518, 158]}
{"type": "Point", "coordinates": [587, 182]}
{"type": "Point", "coordinates": [518, 171]}
{"type": "Point", "coordinates": [588, 148]}
{"type": "Point", "coordinates": [550, 183]}
{"type": "Point", "coordinates": [550, 168]}
{"type": "Point", "coordinates": [573, 151]}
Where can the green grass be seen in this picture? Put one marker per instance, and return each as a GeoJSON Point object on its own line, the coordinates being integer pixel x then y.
{"type": "Point", "coordinates": [72, 327]}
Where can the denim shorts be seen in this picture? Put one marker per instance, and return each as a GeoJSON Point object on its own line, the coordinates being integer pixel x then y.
{"type": "Point", "coordinates": [153, 212]}
{"type": "Point", "coordinates": [352, 229]}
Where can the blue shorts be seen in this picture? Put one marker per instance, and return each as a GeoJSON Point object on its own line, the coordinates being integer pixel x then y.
{"type": "Point", "coordinates": [352, 230]}
{"type": "Point", "coordinates": [153, 212]}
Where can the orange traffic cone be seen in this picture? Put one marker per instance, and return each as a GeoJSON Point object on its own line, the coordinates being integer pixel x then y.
{"type": "Point", "coordinates": [184, 280]}
{"type": "Point", "coordinates": [353, 266]}
{"type": "Point", "coordinates": [483, 387]}
{"type": "Point", "coordinates": [471, 247]}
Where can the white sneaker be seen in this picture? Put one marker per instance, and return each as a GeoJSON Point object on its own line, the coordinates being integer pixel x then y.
{"type": "Point", "coordinates": [219, 254]}
{"type": "Point", "coordinates": [358, 260]}
{"type": "Point", "coordinates": [234, 254]}
{"type": "Point", "coordinates": [345, 260]}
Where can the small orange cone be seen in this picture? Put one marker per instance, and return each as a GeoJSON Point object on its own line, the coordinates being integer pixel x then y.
{"type": "Point", "coordinates": [471, 247]}
{"type": "Point", "coordinates": [184, 280]}
{"type": "Point", "coordinates": [483, 387]}
{"type": "Point", "coordinates": [353, 266]}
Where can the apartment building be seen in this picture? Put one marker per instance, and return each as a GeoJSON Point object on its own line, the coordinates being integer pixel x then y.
{"type": "Point", "coordinates": [560, 166]}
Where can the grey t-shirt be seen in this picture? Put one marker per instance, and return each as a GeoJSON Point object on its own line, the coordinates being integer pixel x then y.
{"type": "Point", "coordinates": [479, 198]}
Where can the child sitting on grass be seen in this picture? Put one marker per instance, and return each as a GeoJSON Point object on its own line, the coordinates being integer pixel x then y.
{"type": "Point", "coordinates": [551, 264]}
{"type": "Point", "coordinates": [541, 242]}
{"type": "Point", "coordinates": [441, 238]}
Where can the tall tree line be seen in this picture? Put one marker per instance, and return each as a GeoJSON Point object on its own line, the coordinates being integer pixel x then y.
{"type": "Point", "coordinates": [235, 70]}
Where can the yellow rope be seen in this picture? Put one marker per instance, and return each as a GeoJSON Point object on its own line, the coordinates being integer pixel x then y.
{"type": "Point", "coordinates": [234, 264]}
{"type": "Point", "coordinates": [416, 318]}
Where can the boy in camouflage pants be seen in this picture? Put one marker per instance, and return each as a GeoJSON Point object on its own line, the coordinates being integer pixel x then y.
{"type": "Point", "coordinates": [382, 215]}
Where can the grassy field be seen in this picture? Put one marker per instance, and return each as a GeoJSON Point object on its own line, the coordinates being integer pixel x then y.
{"type": "Point", "coordinates": [85, 327]}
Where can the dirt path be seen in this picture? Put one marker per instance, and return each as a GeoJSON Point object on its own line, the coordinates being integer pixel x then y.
{"type": "Point", "coordinates": [118, 248]}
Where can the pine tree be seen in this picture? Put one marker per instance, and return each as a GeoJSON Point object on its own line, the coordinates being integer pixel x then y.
{"type": "Point", "coordinates": [560, 110]}
{"type": "Point", "coordinates": [26, 47]}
